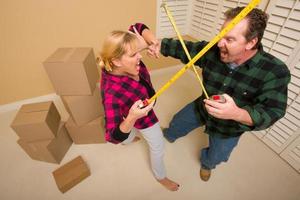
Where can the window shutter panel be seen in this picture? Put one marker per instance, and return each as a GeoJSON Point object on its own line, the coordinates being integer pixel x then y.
{"type": "Point", "coordinates": [283, 30]}
{"type": "Point", "coordinates": [203, 19]}
{"type": "Point", "coordinates": [180, 12]}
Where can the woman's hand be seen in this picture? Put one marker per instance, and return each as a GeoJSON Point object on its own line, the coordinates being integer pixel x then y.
{"type": "Point", "coordinates": [149, 41]}
{"type": "Point", "coordinates": [135, 112]}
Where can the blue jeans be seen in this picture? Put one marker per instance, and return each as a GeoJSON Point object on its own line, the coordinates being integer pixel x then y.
{"type": "Point", "coordinates": [190, 118]}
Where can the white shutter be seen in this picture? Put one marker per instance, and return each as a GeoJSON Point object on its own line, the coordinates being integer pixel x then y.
{"type": "Point", "coordinates": [292, 154]}
{"type": "Point", "coordinates": [283, 31]}
{"type": "Point", "coordinates": [203, 19]}
{"type": "Point", "coordinates": [180, 12]}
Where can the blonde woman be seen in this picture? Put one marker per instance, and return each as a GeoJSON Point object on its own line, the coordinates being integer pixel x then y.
{"type": "Point", "coordinates": [125, 83]}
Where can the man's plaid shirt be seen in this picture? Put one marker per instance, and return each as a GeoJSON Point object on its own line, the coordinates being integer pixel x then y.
{"type": "Point", "coordinates": [259, 86]}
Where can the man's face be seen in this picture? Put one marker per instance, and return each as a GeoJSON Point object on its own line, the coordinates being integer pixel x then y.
{"type": "Point", "coordinates": [234, 45]}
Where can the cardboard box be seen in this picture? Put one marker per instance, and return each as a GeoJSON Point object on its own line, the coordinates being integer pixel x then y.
{"type": "Point", "coordinates": [70, 174]}
{"type": "Point", "coordinates": [72, 71]}
{"type": "Point", "coordinates": [37, 121]}
{"type": "Point", "coordinates": [51, 151]}
{"type": "Point", "coordinates": [91, 133]}
{"type": "Point", "coordinates": [84, 109]}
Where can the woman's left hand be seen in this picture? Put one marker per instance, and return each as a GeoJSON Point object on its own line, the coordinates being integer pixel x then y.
{"type": "Point", "coordinates": [149, 41]}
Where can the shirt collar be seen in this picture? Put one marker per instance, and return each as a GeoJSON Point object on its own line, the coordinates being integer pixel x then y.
{"type": "Point", "coordinates": [115, 78]}
{"type": "Point", "coordinates": [253, 62]}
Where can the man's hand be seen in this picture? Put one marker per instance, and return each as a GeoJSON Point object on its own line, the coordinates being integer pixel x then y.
{"type": "Point", "coordinates": [228, 110]}
{"type": "Point", "coordinates": [154, 49]}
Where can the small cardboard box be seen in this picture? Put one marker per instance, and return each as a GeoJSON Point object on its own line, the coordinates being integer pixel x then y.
{"type": "Point", "coordinates": [37, 121]}
{"type": "Point", "coordinates": [72, 71]}
{"type": "Point", "coordinates": [51, 151]}
{"type": "Point", "coordinates": [90, 133]}
{"type": "Point", "coordinates": [70, 174]}
{"type": "Point", "coordinates": [84, 109]}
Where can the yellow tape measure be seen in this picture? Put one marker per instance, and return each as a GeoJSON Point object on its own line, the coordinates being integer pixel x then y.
{"type": "Point", "coordinates": [164, 5]}
{"type": "Point", "coordinates": [223, 32]}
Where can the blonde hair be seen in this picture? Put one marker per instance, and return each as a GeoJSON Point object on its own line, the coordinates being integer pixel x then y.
{"type": "Point", "coordinates": [114, 47]}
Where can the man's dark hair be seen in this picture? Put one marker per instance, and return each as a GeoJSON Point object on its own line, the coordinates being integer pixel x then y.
{"type": "Point", "coordinates": [257, 22]}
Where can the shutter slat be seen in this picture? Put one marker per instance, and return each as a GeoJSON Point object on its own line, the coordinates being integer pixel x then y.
{"type": "Point", "coordinates": [278, 20]}
{"type": "Point", "coordinates": [294, 88]}
{"type": "Point", "coordinates": [293, 24]}
{"type": "Point", "coordinates": [281, 11]}
{"type": "Point", "coordinates": [280, 132]}
{"type": "Point", "coordinates": [274, 28]}
{"type": "Point", "coordinates": [285, 3]}
{"type": "Point", "coordinates": [274, 140]}
{"type": "Point", "coordinates": [288, 42]}
{"type": "Point", "coordinates": [294, 112]}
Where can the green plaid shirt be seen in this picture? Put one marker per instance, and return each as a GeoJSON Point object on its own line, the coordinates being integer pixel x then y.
{"type": "Point", "coordinates": [258, 86]}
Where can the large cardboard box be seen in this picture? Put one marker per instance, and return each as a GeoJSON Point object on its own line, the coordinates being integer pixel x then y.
{"type": "Point", "coordinates": [51, 151]}
{"type": "Point", "coordinates": [91, 133]}
{"type": "Point", "coordinates": [70, 174]}
{"type": "Point", "coordinates": [72, 71]}
{"type": "Point", "coordinates": [37, 121]}
{"type": "Point", "coordinates": [84, 109]}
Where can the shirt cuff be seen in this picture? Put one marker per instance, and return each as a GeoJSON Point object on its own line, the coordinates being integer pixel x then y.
{"type": "Point", "coordinates": [119, 135]}
{"type": "Point", "coordinates": [140, 27]}
{"type": "Point", "coordinates": [256, 118]}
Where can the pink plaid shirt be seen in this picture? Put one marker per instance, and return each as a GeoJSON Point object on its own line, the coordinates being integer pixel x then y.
{"type": "Point", "coordinates": [118, 95]}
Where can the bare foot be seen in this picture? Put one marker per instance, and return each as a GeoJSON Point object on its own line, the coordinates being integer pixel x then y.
{"type": "Point", "coordinates": [170, 185]}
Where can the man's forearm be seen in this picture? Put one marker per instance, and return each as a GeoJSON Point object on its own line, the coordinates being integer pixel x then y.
{"type": "Point", "coordinates": [243, 117]}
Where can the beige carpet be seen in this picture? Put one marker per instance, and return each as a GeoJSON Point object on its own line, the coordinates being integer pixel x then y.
{"type": "Point", "coordinates": [122, 172]}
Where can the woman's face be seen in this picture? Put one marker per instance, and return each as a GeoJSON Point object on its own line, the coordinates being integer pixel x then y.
{"type": "Point", "coordinates": [129, 63]}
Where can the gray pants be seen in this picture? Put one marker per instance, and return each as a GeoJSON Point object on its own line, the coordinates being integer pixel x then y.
{"type": "Point", "coordinates": [154, 137]}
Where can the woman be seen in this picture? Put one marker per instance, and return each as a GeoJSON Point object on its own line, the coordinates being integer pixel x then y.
{"type": "Point", "coordinates": [125, 83]}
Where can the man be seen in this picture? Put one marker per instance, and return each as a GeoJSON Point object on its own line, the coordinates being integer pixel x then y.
{"type": "Point", "coordinates": [252, 82]}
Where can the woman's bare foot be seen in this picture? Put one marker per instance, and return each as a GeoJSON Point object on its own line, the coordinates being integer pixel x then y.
{"type": "Point", "coordinates": [170, 185]}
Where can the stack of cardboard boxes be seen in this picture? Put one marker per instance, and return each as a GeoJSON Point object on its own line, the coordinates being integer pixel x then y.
{"type": "Point", "coordinates": [42, 134]}
{"type": "Point", "coordinates": [74, 75]}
